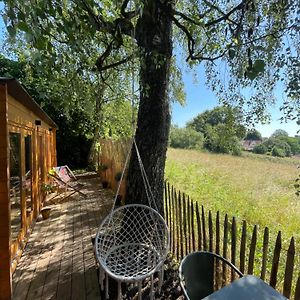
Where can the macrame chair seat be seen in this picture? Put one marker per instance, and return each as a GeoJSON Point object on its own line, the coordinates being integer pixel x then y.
{"type": "Point", "coordinates": [132, 243]}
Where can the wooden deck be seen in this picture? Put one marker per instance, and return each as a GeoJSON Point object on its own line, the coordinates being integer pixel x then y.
{"type": "Point", "coordinates": [58, 261]}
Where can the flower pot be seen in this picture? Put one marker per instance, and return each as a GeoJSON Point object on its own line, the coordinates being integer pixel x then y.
{"type": "Point", "coordinates": [45, 212]}
{"type": "Point", "coordinates": [105, 184]}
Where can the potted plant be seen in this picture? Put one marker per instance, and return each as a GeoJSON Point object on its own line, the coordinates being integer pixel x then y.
{"type": "Point", "coordinates": [45, 211]}
{"type": "Point", "coordinates": [47, 188]}
{"type": "Point", "coordinates": [103, 169]}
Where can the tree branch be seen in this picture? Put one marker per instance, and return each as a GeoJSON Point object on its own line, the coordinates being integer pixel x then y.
{"type": "Point", "coordinates": [187, 18]}
{"type": "Point", "coordinates": [130, 14]}
{"type": "Point", "coordinates": [226, 15]}
{"type": "Point", "coordinates": [191, 41]}
{"type": "Point", "coordinates": [113, 65]}
{"type": "Point", "coordinates": [211, 59]}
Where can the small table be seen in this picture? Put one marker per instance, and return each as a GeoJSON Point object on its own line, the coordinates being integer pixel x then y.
{"type": "Point", "coordinates": [248, 287]}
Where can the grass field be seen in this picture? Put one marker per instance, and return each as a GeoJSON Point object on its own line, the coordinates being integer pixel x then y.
{"type": "Point", "coordinates": [255, 188]}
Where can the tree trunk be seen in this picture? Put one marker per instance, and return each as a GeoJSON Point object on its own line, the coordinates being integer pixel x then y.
{"type": "Point", "coordinates": [154, 38]}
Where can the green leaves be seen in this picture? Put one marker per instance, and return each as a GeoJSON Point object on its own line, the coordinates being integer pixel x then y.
{"type": "Point", "coordinates": [231, 53]}
{"type": "Point", "coordinates": [259, 66]}
{"type": "Point", "coordinates": [23, 26]}
{"type": "Point", "coordinates": [11, 30]}
{"type": "Point", "coordinates": [256, 69]}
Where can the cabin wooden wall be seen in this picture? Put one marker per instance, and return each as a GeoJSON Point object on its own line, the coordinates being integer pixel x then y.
{"type": "Point", "coordinates": [5, 275]}
{"type": "Point", "coordinates": [16, 118]}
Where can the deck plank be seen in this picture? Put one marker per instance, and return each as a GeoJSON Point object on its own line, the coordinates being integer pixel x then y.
{"type": "Point", "coordinates": [58, 261]}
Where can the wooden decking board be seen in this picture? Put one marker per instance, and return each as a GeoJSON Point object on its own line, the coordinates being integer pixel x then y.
{"type": "Point", "coordinates": [78, 282]}
{"type": "Point", "coordinates": [91, 278]}
{"type": "Point", "coordinates": [31, 251]}
{"type": "Point", "coordinates": [58, 262]}
{"type": "Point", "coordinates": [52, 275]}
{"type": "Point", "coordinates": [33, 255]}
{"type": "Point", "coordinates": [65, 271]}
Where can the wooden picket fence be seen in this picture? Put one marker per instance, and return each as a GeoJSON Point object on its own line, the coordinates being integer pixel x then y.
{"type": "Point", "coordinates": [113, 155]}
{"type": "Point", "coordinates": [252, 250]}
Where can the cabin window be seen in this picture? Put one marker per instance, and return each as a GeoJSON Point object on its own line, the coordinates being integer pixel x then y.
{"type": "Point", "coordinates": [15, 183]}
{"type": "Point", "coordinates": [28, 174]}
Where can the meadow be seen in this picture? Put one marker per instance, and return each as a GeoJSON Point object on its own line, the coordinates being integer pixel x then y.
{"type": "Point", "coordinates": [255, 188]}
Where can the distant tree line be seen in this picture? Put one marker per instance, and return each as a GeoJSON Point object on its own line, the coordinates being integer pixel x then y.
{"type": "Point", "coordinates": [221, 130]}
{"type": "Point", "coordinates": [280, 144]}
{"type": "Point", "coordinates": [218, 130]}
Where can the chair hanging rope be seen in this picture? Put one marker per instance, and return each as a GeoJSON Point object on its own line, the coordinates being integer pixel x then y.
{"type": "Point", "coordinates": [132, 242]}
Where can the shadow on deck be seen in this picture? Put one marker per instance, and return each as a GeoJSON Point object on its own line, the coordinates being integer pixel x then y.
{"type": "Point", "coordinates": [58, 261]}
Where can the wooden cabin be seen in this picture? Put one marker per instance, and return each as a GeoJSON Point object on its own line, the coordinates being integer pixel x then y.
{"type": "Point", "coordinates": [27, 152]}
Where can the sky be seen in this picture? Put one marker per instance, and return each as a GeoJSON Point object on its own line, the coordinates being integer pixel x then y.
{"type": "Point", "coordinates": [199, 98]}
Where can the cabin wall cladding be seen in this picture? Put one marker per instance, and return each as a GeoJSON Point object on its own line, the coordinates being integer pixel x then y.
{"type": "Point", "coordinates": [27, 152]}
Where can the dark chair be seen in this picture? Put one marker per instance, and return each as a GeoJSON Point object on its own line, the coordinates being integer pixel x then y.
{"type": "Point", "coordinates": [197, 271]}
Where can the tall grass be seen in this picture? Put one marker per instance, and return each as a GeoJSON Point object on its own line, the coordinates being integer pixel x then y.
{"type": "Point", "coordinates": [259, 190]}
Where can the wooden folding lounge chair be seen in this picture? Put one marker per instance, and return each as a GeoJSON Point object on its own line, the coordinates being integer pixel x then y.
{"type": "Point", "coordinates": [65, 179]}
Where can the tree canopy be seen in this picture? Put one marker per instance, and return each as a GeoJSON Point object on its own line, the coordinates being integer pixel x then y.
{"type": "Point", "coordinates": [278, 133]}
{"type": "Point", "coordinates": [253, 135]}
{"type": "Point", "coordinates": [243, 43]}
{"type": "Point", "coordinates": [222, 128]}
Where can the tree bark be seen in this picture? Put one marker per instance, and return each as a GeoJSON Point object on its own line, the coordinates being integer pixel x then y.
{"type": "Point", "coordinates": [154, 38]}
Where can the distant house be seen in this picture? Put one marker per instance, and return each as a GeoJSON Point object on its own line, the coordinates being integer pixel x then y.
{"type": "Point", "coordinates": [248, 145]}
{"type": "Point", "coordinates": [27, 152]}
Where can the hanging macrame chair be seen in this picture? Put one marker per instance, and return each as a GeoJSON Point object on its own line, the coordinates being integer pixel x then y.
{"type": "Point", "coordinates": [132, 242]}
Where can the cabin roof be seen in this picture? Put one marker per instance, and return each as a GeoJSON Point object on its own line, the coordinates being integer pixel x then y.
{"type": "Point", "coordinates": [16, 90]}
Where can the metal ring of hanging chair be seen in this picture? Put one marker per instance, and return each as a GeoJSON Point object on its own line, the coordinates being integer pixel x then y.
{"type": "Point", "coordinates": [132, 242]}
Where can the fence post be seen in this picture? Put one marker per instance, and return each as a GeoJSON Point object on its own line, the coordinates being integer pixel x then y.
{"type": "Point", "coordinates": [166, 204]}
{"type": "Point", "coordinates": [265, 254]}
{"type": "Point", "coordinates": [289, 269]}
{"type": "Point", "coordinates": [233, 246]}
{"type": "Point", "coordinates": [252, 250]}
{"type": "Point", "coordinates": [198, 227]}
{"type": "Point", "coordinates": [189, 224]}
{"type": "Point", "coordinates": [177, 227]}
{"type": "Point", "coordinates": [218, 271]}
{"type": "Point", "coordinates": [171, 220]}
{"type": "Point", "coordinates": [275, 262]}
{"type": "Point", "coordinates": [210, 232]}
{"type": "Point", "coordinates": [225, 243]}
{"type": "Point", "coordinates": [184, 224]}
{"type": "Point", "coordinates": [174, 220]}
{"type": "Point", "coordinates": [180, 227]}
{"type": "Point", "coordinates": [243, 247]}
{"type": "Point", "coordinates": [193, 227]}
{"type": "Point", "coordinates": [204, 230]}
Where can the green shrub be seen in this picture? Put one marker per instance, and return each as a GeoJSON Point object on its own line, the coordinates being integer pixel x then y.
{"type": "Point", "coordinates": [279, 152]}
{"type": "Point", "coordinates": [186, 138]}
{"type": "Point", "coordinates": [220, 139]}
{"type": "Point", "coordinates": [260, 149]}
{"type": "Point", "coordinates": [282, 146]}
